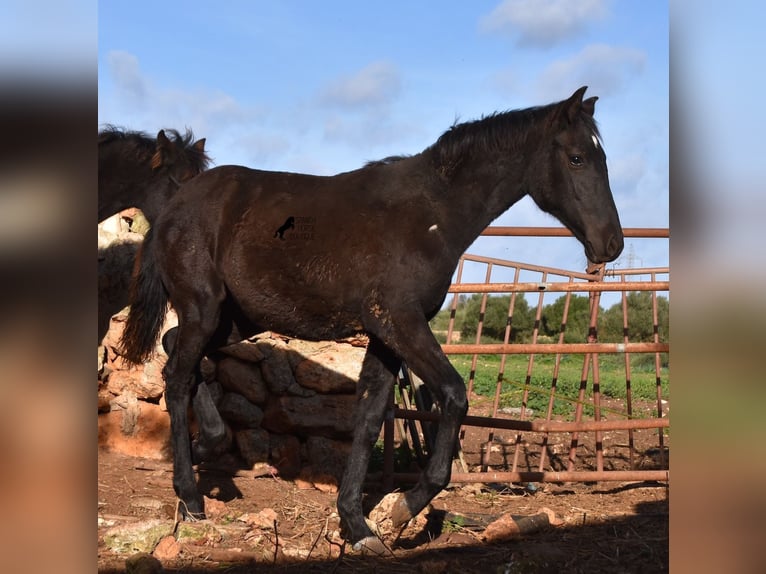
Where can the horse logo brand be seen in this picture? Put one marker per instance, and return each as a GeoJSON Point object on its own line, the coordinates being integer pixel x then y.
{"type": "Point", "coordinates": [303, 228]}
{"type": "Point", "coordinates": [288, 224]}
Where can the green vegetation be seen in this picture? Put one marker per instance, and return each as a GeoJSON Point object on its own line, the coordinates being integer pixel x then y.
{"type": "Point", "coordinates": [522, 321]}
{"type": "Point", "coordinates": [497, 317]}
{"type": "Point", "coordinates": [611, 376]}
{"type": "Point", "coordinates": [454, 524]}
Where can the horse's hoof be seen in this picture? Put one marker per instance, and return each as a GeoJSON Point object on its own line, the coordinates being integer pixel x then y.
{"type": "Point", "coordinates": [186, 514]}
{"type": "Point", "coordinates": [400, 513]}
{"type": "Point", "coordinates": [371, 546]}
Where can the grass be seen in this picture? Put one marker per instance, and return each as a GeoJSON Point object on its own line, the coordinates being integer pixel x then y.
{"type": "Point", "coordinates": [611, 375]}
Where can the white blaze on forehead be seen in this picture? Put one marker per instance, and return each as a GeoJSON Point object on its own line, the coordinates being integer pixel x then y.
{"type": "Point", "coordinates": [595, 139]}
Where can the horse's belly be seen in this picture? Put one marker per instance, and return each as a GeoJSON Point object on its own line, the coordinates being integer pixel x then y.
{"type": "Point", "coordinates": [298, 312]}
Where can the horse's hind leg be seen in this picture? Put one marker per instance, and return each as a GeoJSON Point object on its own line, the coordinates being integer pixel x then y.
{"type": "Point", "coordinates": [212, 431]}
{"type": "Point", "coordinates": [407, 333]}
{"type": "Point", "coordinates": [373, 393]}
{"type": "Point", "coordinates": [196, 324]}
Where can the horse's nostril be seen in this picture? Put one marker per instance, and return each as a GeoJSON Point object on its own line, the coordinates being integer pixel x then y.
{"type": "Point", "coordinates": [614, 246]}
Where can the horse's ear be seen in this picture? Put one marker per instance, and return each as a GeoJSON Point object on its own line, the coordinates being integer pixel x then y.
{"type": "Point", "coordinates": [199, 145]}
{"type": "Point", "coordinates": [163, 145]}
{"type": "Point", "coordinates": [162, 139]}
{"type": "Point", "coordinates": [589, 105]}
{"type": "Point", "coordinates": [573, 105]}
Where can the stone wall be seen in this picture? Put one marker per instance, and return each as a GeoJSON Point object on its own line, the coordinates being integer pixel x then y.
{"type": "Point", "coordinates": [286, 402]}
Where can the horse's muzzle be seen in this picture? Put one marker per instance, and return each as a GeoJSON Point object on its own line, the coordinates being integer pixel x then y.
{"type": "Point", "coordinates": [608, 251]}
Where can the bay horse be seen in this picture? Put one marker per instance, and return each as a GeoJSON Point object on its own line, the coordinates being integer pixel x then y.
{"type": "Point", "coordinates": [385, 271]}
{"type": "Point", "coordinates": [135, 170]}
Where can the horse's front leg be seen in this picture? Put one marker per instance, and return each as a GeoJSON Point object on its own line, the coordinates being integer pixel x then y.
{"type": "Point", "coordinates": [411, 338]}
{"type": "Point", "coordinates": [373, 394]}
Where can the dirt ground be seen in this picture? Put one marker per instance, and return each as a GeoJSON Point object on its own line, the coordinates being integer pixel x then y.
{"type": "Point", "coordinates": [267, 524]}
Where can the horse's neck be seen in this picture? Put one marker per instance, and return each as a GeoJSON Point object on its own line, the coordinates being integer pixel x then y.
{"type": "Point", "coordinates": [479, 194]}
{"type": "Point", "coordinates": [124, 187]}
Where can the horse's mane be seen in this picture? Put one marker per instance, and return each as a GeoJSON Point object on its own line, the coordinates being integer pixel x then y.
{"type": "Point", "coordinates": [111, 133]}
{"type": "Point", "coordinates": [499, 130]}
{"type": "Point", "coordinates": [143, 146]}
{"type": "Point", "coordinates": [386, 160]}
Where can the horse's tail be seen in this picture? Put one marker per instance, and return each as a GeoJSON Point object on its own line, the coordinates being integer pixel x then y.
{"type": "Point", "coordinates": [148, 305]}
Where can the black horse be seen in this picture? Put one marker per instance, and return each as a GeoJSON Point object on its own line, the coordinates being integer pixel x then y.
{"type": "Point", "coordinates": [135, 170]}
{"type": "Point", "coordinates": [384, 272]}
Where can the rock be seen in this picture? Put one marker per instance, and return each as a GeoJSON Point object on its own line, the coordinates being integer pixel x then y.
{"type": "Point", "coordinates": [150, 437]}
{"type": "Point", "coordinates": [139, 224]}
{"type": "Point", "coordinates": [200, 532]}
{"type": "Point", "coordinates": [286, 455]}
{"type": "Point", "coordinates": [104, 400]}
{"type": "Point", "coordinates": [137, 537]}
{"type": "Point", "coordinates": [167, 549]}
{"type": "Point", "coordinates": [330, 416]}
{"type": "Point", "coordinates": [276, 370]}
{"type": "Point", "coordinates": [264, 519]}
{"type": "Point", "coordinates": [333, 368]}
{"type": "Point", "coordinates": [242, 377]}
{"type": "Point", "coordinates": [214, 508]}
{"type": "Point", "coordinates": [238, 410]}
{"type": "Point", "coordinates": [130, 413]}
{"type": "Point", "coordinates": [379, 519]}
{"type": "Point", "coordinates": [309, 478]}
{"type": "Point", "coordinates": [143, 380]}
{"type": "Point", "coordinates": [253, 445]}
{"type": "Point", "coordinates": [245, 351]}
{"type": "Point", "coordinates": [327, 456]}
{"type": "Point", "coordinates": [143, 563]}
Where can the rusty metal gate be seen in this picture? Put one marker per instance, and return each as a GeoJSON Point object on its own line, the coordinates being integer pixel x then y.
{"type": "Point", "coordinates": [609, 428]}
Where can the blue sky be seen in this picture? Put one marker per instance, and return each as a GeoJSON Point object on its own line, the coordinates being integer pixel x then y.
{"type": "Point", "coordinates": [323, 87]}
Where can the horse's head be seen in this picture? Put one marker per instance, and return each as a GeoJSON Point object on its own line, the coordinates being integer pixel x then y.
{"type": "Point", "coordinates": [572, 182]}
{"type": "Point", "coordinates": [180, 157]}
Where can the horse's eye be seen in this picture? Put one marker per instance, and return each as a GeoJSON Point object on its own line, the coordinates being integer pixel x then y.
{"type": "Point", "coordinates": [576, 160]}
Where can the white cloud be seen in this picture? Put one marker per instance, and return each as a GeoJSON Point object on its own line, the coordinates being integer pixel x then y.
{"type": "Point", "coordinates": [137, 102]}
{"type": "Point", "coordinates": [543, 23]}
{"type": "Point", "coordinates": [627, 170]}
{"type": "Point", "coordinates": [603, 68]}
{"type": "Point", "coordinates": [127, 76]}
{"type": "Point", "coordinates": [375, 84]}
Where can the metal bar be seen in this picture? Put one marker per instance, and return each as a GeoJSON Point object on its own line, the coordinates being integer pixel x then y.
{"type": "Point", "coordinates": [540, 426]}
{"type": "Point", "coordinates": [388, 446]}
{"type": "Point", "coordinates": [644, 232]}
{"type": "Point", "coordinates": [503, 358]}
{"type": "Point", "coordinates": [554, 380]}
{"type": "Point", "coordinates": [658, 371]}
{"type": "Point", "coordinates": [559, 287]}
{"type": "Point", "coordinates": [628, 378]}
{"type": "Point", "coordinates": [587, 282]}
{"type": "Point", "coordinates": [595, 299]}
{"type": "Point", "coordinates": [612, 271]}
{"type": "Point", "coordinates": [549, 476]}
{"type": "Point", "coordinates": [453, 306]}
{"type": "Point", "coordinates": [550, 348]}
{"type": "Point", "coordinates": [479, 329]}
